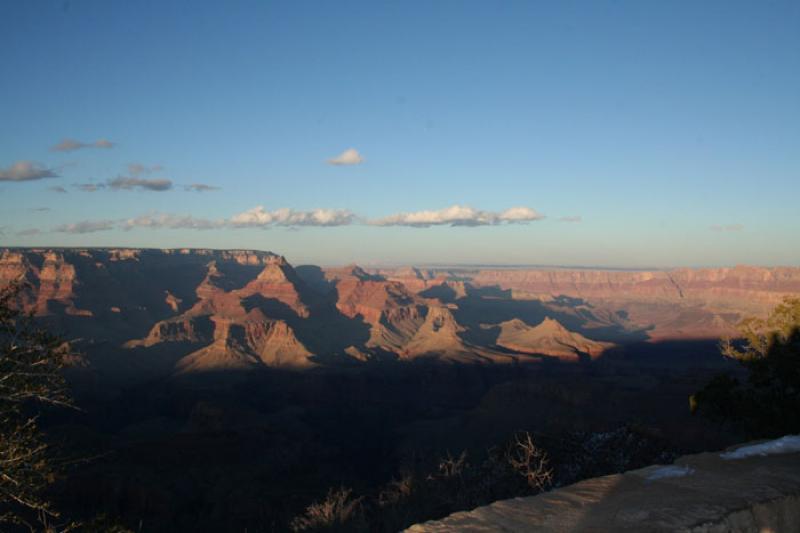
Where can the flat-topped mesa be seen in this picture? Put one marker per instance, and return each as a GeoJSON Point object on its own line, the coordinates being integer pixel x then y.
{"type": "Point", "coordinates": [547, 338]}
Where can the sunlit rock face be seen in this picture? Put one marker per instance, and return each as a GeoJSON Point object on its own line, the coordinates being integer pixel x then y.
{"type": "Point", "coordinates": [137, 312]}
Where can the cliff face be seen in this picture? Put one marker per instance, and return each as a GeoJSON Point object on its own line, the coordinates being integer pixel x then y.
{"type": "Point", "coordinates": [762, 285]}
{"type": "Point", "coordinates": [674, 304]}
{"type": "Point", "coordinates": [205, 309]}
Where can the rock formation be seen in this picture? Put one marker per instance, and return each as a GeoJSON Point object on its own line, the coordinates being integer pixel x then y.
{"type": "Point", "coordinates": [212, 309]}
{"type": "Point", "coordinates": [548, 338]}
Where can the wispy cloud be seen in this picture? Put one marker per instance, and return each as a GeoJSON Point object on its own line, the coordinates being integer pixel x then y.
{"type": "Point", "coordinates": [727, 227]}
{"type": "Point", "coordinates": [26, 171]}
{"type": "Point", "coordinates": [39, 209]}
{"type": "Point", "coordinates": [258, 217]}
{"type": "Point", "coordinates": [571, 219]}
{"type": "Point", "coordinates": [458, 215]}
{"type": "Point", "coordinates": [200, 187]}
{"type": "Point", "coordinates": [85, 226]}
{"type": "Point", "coordinates": [133, 183]}
{"type": "Point", "coordinates": [58, 189]}
{"type": "Point", "coordinates": [70, 145]}
{"type": "Point", "coordinates": [138, 169]}
{"type": "Point", "coordinates": [348, 157]}
{"type": "Point", "coordinates": [28, 232]}
{"type": "Point", "coordinates": [89, 187]}
{"type": "Point", "coordinates": [167, 221]}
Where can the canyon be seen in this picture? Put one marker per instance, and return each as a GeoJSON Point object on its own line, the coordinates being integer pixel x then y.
{"type": "Point", "coordinates": [270, 384]}
{"type": "Point", "coordinates": [135, 314]}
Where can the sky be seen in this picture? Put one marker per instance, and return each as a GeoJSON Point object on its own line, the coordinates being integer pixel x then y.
{"type": "Point", "coordinates": [608, 133]}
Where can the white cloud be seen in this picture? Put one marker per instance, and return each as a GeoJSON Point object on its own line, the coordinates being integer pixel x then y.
{"type": "Point", "coordinates": [258, 217]}
{"type": "Point", "coordinates": [167, 221]}
{"type": "Point", "coordinates": [58, 189]}
{"type": "Point", "coordinates": [85, 226]}
{"type": "Point", "coordinates": [348, 157]}
{"type": "Point", "coordinates": [519, 214]}
{"type": "Point", "coordinates": [458, 215]}
{"type": "Point", "coordinates": [28, 232]}
{"type": "Point", "coordinates": [26, 171]}
{"type": "Point", "coordinates": [70, 145]}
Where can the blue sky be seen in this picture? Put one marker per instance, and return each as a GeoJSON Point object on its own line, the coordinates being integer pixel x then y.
{"type": "Point", "coordinates": [640, 133]}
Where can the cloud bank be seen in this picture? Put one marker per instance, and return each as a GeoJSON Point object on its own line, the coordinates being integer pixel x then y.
{"type": "Point", "coordinates": [458, 215]}
{"type": "Point", "coordinates": [258, 217]}
{"type": "Point", "coordinates": [26, 171]}
{"type": "Point", "coordinates": [348, 157]}
{"type": "Point", "coordinates": [70, 145]}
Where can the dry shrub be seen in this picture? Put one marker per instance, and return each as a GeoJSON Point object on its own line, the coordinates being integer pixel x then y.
{"type": "Point", "coordinates": [530, 461]}
{"type": "Point", "coordinates": [334, 512]}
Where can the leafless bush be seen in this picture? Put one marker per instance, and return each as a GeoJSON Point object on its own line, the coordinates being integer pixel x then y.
{"type": "Point", "coordinates": [530, 461]}
{"type": "Point", "coordinates": [450, 467]}
{"type": "Point", "coordinates": [397, 490]}
{"type": "Point", "coordinates": [337, 509]}
{"type": "Point", "coordinates": [30, 380]}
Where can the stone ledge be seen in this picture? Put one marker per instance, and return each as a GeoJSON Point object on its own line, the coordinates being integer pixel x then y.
{"type": "Point", "coordinates": [701, 493]}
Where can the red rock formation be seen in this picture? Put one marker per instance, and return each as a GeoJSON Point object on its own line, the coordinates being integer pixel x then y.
{"type": "Point", "coordinates": [251, 308]}
{"type": "Point", "coordinates": [548, 338]}
{"type": "Point", "coordinates": [393, 313]}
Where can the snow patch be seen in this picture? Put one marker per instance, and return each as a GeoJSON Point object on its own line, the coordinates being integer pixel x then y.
{"type": "Point", "coordinates": [787, 444]}
{"type": "Point", "coordinates": [669, 471]}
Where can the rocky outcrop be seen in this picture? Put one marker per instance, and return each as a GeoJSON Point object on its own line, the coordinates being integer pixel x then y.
{"type": "Point", "coordinates": [193, 329]}
{"type": "Point", "coordinates": [440, 336]}
{"type": "Point", "coordinates": [393, 313]}
{"type": "Point", "coordinates": [279, 281]}
{"type": "Point", "coordinates": [548, 338]}
{"type": "Point", "coordinates": [705, 493]}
